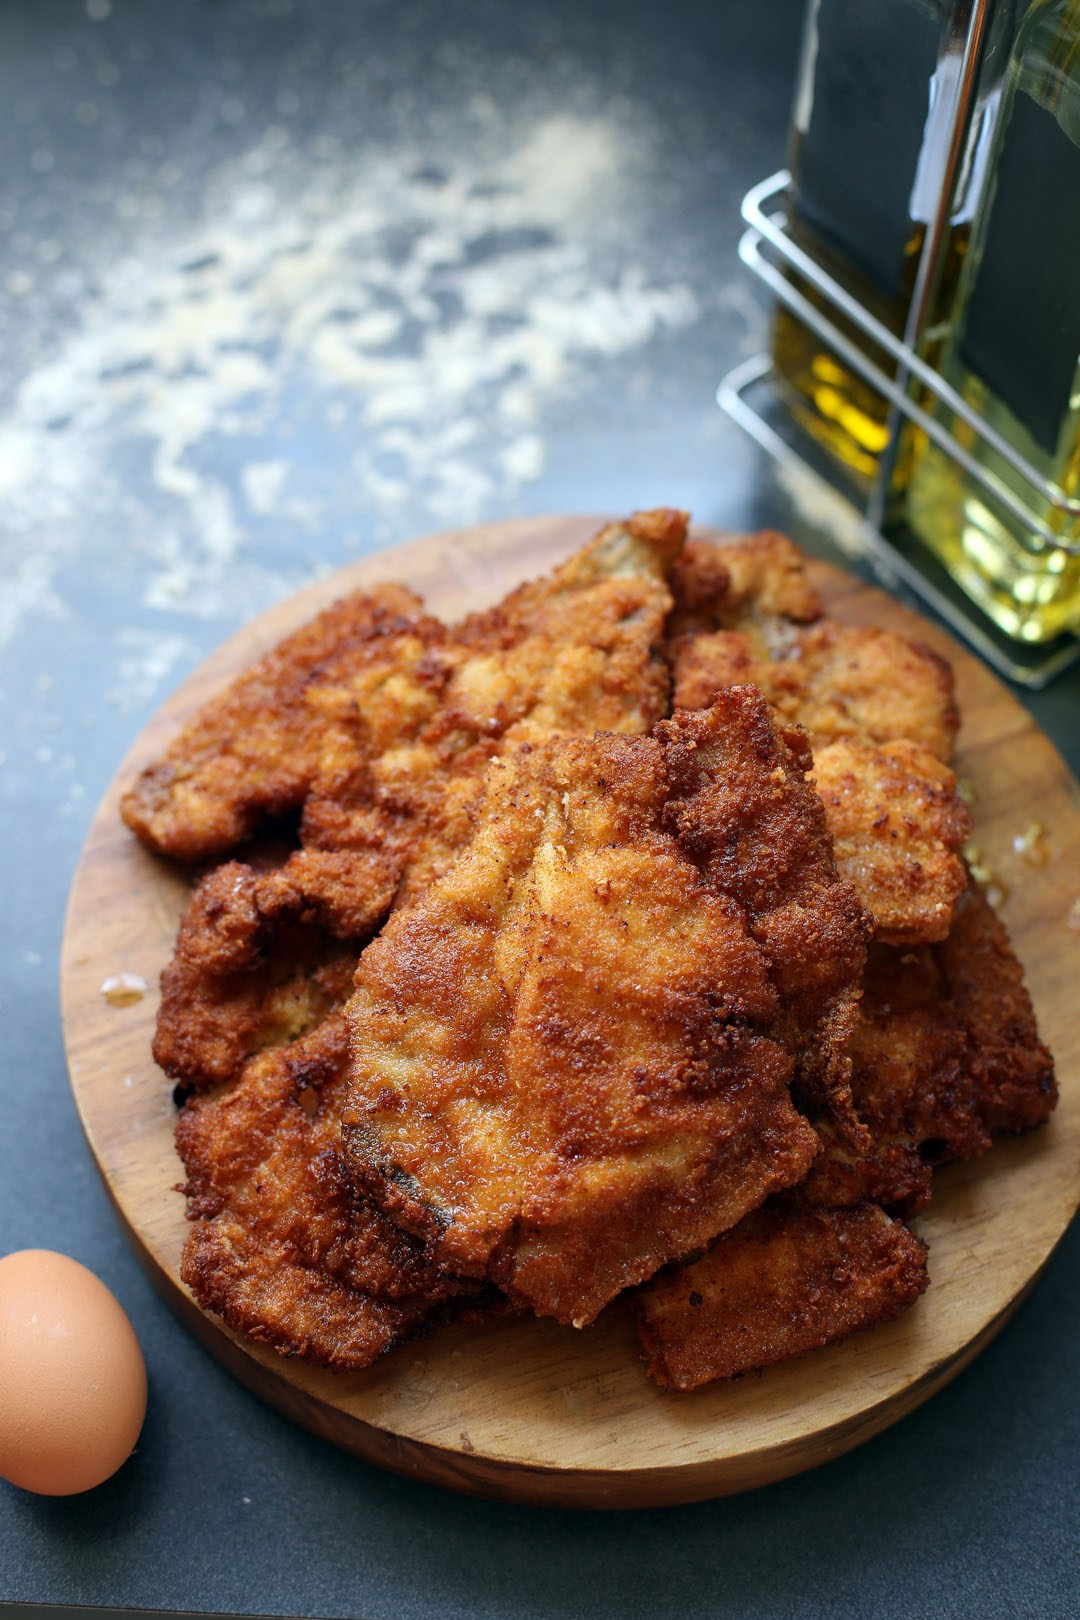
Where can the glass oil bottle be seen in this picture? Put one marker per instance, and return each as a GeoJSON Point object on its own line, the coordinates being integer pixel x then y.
{"type": "Point", "coordinates": [865, 159]}
{"type": "Point", "coordinates": [1012, 352]}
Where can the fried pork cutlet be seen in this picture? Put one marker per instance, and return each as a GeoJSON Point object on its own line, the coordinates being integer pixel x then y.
{"type": "Point", "coordinates": [898, 827]}
{"type": "Point", "coordinates": [280, 1246]}
{"type": "Point", "coordinates": [786, 1281]}
{"type": "Point", "coordinates": [572, 1054]}
{"type": "Point", "coordinates": [399, 749]}
{"type": "Point", "coordinates": [756, 583]}
{"type": "Point", "coordinates": [771, 851]}
{"type": "Point", "coordinates": [878, 708]}
{"type": "Point", "coordinates": [588, 1028]}
{"type": "Point", "coordinates": [1015, 1088]}
{"type": "Point", "coordinates": [347, 716]}
{"type": "Point", "coordinates": [945, 1055]}
{"type": "Point", "coordinates": [262, 956]}
{"type": "Point", "coordinates": [914, 1083]}
{"type": "Point", "coordinates": [745, 612]}
{"type": "Point", "coordinates": [256, 751]}
{"type": "Point", "coordinates": [577, 651]}
{"type": "Point", "coordinates": [835, 680]}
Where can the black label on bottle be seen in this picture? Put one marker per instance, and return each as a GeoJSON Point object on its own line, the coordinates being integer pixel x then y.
{"type": "Point", "coordinates": [871, 95]}
{"type": "Point", "coordinates": [1022, 325]}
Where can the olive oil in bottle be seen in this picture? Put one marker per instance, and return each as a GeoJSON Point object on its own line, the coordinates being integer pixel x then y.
{"type": "Point", "coordinates": [1013, 350]}
{"type": "Point", "coordinates": [863, 151]}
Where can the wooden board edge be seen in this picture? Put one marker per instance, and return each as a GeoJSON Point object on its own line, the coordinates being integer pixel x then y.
{"type": "Point", "coordinates": [514, 1481]}
{"type": "Point", "coordinates": [529, 1485]}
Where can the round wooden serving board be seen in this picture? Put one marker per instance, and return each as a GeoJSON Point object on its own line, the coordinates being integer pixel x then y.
{"type": "Point", "coordinates": [527, 1410]}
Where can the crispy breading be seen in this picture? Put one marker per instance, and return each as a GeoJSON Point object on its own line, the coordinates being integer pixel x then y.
{"type": "Point", "coordinates": [879, 711]}
{"type": "Point", "coordinates": [397, 749]}
{"type": "Point", "coordinates": [281, 1247]}
{"type": "Point", "coordinates": [769, 847]}
{"type": "Point", "coordinates": [891, 1172]}
{"type": "Point", "coordinates": [572, 1053]}
{"type": "Point", "coordinates": [1015, 1088]}
{"type": "Point", "coordinates": [946, 1048]}
{"type": "Point", "coordinates": [835, 680]}
{"type": "Point", "coordinates": [262, 956]}
{"type": "Point", "coordinates": [753, 581]}
{"type": "Point", "coordinates": [256, 750]}
{"type": "Point", "coordinates": [945, 1055]}
{"type": "Point", "coordinates": [913, 1084]}
{"type": "Point", "coordinates": [324, 721]}
{"type": "Point", "coordinates": [911, 1055]}
{"type": "Point", "coordinates": [786, 1281]}
{"type": "Point", "coordinates": [898, 827]}
{"type": "Point", "coordinates": [575, 652]}
{"type": "Point", "coordinates": [746, 612]}
{"type": "Point", "coordinates": [604, 972]}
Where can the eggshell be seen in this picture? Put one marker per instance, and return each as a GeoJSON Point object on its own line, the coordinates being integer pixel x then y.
{"type": "Point", "coordinates": [72, 1376]}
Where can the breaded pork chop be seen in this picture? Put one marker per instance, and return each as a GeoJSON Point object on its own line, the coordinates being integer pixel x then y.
{"type": "Point", "coordinates": [914, 1082]}
{"type": "Point", "coordinates": [383, 751]}
{"type": "Point", "coordinates": [786, 1281]}
{"type": "Point", "coordinates": [572, 653]}
{"type": "Point", "coordinates": [262, 956]}
{"type": "Point", "coordinates": [945, 1055]}
{"type": "Point", "coordinates": [878, 708]}
{"type": "Point", "coordinates": [756, 583]}
{"type": "Point", "coordinates": [735, 810]}
{"type": "Point", "coordinates": [346, 716]}
{"type": "Point", "coordinates": [257, 749]}
{"type": "Point", "coordinates": [835, 680]}
{"type": "Point", "coordinates": [1015, 1088]}
{"type": "Point", "coordinates": [572, 1055]}
{"type": "Point", "coordinates": [400, 767]}
{"type": "Point", "coordinates": [746, 612]}
{"type": "Point", "coordinates": [898, 826]}
{"type": "Point", "coordinates": [281, 1246]}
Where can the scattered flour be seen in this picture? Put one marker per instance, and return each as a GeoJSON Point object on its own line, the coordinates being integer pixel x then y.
{"type": "Point", "coordinates": [146, 658]}
{"type": "Point", "coordinates": [263, 481]}
{"type": "Point", "coordinates": [422, 320]}
{"type": "Point", "coordinates": [28, 589]}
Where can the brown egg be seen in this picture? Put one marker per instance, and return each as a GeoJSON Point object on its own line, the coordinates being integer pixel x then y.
{"type": "Point", "coordinates": [73, 1386]}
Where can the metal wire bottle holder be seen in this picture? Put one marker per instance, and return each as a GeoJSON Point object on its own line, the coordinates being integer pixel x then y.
{"type": "Point", "coordinates": [763, 211]}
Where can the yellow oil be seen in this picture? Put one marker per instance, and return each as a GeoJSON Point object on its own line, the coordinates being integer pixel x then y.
{"type": "Point", "coordinates": [1031, 592]}
{"type": "Point", "coordinates": [829, 400]}
{"type": "Point", "coordinates": [1030, 588]}
{"type": "Point", "coordinates": [867, 136]}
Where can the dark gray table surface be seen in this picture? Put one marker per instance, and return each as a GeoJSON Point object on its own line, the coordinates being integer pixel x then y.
{"type": "Point", "coordinates": [281, 285]}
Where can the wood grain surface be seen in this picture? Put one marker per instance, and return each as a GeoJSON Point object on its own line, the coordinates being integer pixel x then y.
{"type": "Point", "coordinates": [529, 1411]}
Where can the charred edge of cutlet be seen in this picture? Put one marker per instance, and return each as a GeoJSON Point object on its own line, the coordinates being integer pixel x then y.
{"type": "Point", "coordinates": [394, 1190]}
